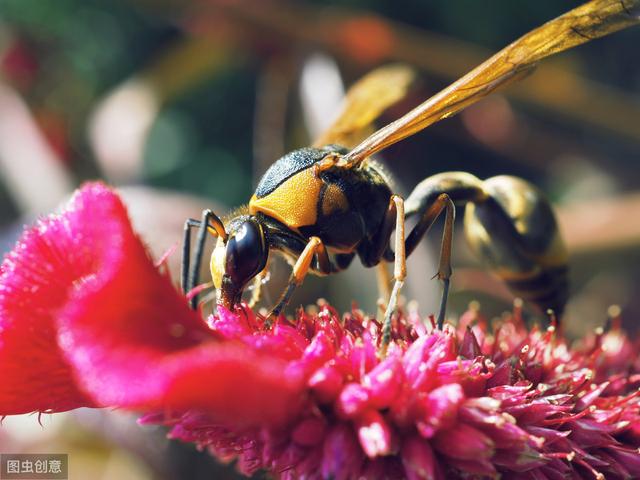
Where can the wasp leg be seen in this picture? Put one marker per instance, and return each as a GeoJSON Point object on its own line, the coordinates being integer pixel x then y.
{"type": "Point", "coordinates": [314, 249]}
{"type": "Point", "coordinates": [257, 287]}
{"type": "Point", "coordinates": [384, 281]}
{"type": "Point", "coordinates": [186, 252]}
{"type": "Point", "coordinates": [510, 225]}
{"type": "Point", "coordinates": [190, 271]}
{"type": "Point", "coordinates": [399, 269]}
{"type": "Point", "coordinates": [442, 203]}
{"type": "Point", "coordinates": [377, 249]}
{"type": "Point", "coordinates": [444, 267]}
{"type": "Point", "coordinates": [429, 199]}
{"type": "Point", "coordinates": [194, 269]}
{"type": "Point", "coordinates": [371, 251]}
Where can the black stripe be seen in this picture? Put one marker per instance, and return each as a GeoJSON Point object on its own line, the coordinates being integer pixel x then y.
{"type": "Point", "coordinates": [292, 163]}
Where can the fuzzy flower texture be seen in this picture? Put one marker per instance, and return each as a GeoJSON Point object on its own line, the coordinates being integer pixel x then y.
{"type": "Point", "coordinates": [87, 319]}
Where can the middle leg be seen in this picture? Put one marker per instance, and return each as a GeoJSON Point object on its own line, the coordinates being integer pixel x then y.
{"type": "Point", "coordinates": [399, 269]}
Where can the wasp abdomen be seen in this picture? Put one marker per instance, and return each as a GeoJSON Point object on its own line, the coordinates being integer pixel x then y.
{"type": "Point", "coordinates": [515, 231]}
{"type": "Point", "coordinates": [548, 288]}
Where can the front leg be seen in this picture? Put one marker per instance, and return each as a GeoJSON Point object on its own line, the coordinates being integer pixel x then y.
{"type": "Point", "coordinates": [314, 249]}
{"type": "Point", "coordinates": [189, 272]}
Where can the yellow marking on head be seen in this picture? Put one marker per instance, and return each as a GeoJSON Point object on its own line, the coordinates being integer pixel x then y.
{"type": "Point", "coordinates": [334, 200]}
{"type": "Point", "coordinates": [217, 265]}
{"type": "Point", "coordinates": [294, 202]}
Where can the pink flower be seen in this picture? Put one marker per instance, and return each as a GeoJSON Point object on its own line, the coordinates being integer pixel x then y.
{"type": "Point", "coordinates": [87, 320]}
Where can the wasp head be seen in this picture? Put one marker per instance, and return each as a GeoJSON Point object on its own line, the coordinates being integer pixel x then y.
{"type": "Point", "coordinates": [239, 258]}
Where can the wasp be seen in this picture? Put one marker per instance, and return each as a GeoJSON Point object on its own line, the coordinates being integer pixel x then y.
{"type": "Point", "coordinates": [323, 205]}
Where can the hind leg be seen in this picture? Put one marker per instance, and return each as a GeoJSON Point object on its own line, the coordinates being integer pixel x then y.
{"type": "Point", "coordinates": [442, 203]}
{"type": "Point", "coordinates": [432, 197]}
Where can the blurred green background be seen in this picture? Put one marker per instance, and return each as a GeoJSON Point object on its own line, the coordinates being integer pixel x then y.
{"type": "Point", "coordinates": [184, 104]}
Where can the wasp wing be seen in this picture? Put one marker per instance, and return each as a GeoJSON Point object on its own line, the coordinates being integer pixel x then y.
{"type": "Point", "coordinates": [587, 22]}
{"type": "Point", "coordinates": [365, 101]}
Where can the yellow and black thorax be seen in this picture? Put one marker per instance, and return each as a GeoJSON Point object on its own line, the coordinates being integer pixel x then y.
{"type": "Point", "coordinates": [340, 206]}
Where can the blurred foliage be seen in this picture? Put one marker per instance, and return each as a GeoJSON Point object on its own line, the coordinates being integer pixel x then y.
{"type": "Point", "coordinates": [98, 42]}
{"type": "Point", "coordinates": [192, 134]}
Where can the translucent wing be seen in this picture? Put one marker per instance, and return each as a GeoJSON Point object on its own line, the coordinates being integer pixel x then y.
{"type": "Point", "coordinates": [587, 22]}
{"type": "Point", "coordinates": [365, 101]}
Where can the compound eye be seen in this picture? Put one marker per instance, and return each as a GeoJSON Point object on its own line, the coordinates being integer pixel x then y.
{"type": "Point", "coordinates": [246, 253]}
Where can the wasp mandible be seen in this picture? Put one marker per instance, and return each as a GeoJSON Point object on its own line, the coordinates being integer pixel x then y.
{"type": "Point", "coordinates": [321, 206]}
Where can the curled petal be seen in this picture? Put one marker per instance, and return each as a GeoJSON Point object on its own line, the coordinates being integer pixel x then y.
{"type": "Point", "coordinates": [87, 319]}
{"type": "Point", "coordinates": [135, 343]}
{"type": "Point", "coordinates": [37, 279]}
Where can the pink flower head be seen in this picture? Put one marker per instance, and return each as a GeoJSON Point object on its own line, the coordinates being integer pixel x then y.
{"type": "Point", "coordinates": [87, 320]}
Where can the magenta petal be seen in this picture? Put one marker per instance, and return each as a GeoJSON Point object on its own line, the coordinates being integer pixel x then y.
{"type": "Point", "coordinates": [353, 400]}
{"type": "Point", "coordinates": [418, 460]}
{"type": "Point", "coordinates": [469, 347]}
{"type": "Point", "coordinates": [480, 468]}
{"type": "Point", "coordinates": [342, 458]}
{"type": "Point", "coordinates": [375, 434]}
{"type": "Point", "coordinates": [309, 432]}
{"type": "Point", "coordinates": [319, 351]}
{"type": "Point", "coordinates": [463, 442]}
{"type": "Point", "coordinates": [440, 408]}
{"type": "Point", "coordinates": [629, 459]}
{"type": "Point", "coordinates": [423, 357]}
{"type": "Point", "coordinates": [229, 325]}
{"type": "Point", "coordinates": [383, 381]}
{"type": "Point", "coordinates": [326, 384]}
